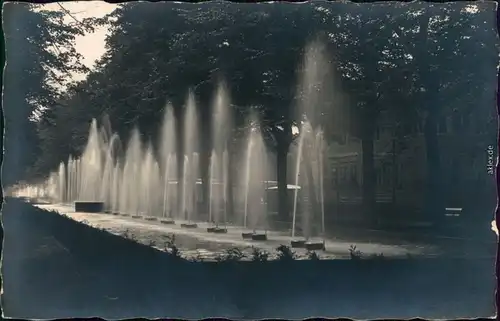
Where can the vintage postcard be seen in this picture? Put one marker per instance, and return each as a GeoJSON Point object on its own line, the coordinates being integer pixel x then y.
{"type": "Point", "coordinates": [250, 161]}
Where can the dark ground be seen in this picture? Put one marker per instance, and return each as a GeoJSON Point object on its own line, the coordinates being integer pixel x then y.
{"type": "Point", "coordinates": [56, 268]}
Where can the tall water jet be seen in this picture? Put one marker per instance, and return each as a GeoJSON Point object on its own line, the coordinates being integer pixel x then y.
{"type": "Point", "coordinates": [70, 179]}
{"type": "Point", "coordinates": [297, 176]}
{"type": "Point", "coordinates": [73, 179]}
{"type": "Point", "coordinates": [214, 205]}
{"type": "Point", "coordinates": [219, 160]}
{"type": "Point", "coordinates": [185, 194]}
{"type": "Point", "coordinates": [221, 121]}
{"type": "Point", "coordinates": [105, 129]}
{"type": "Point", "coordinates": [225, 182]}
{"type": "Point", "coordinates": [320, 154]}
{"type": "Point", "coordinates": [309, 175]}
{"type": "Point", "coordinates": [256, 173]}
{"type": "Point", "coordinates": [78, 178]}
{"type": "Point", "coordinates": [170, 183]}
{"type": "Point", "coordinates": [189, 172]}
{"type": "Point", "coordinates": [91, 166]}
{"type": "Point", "coordinates": [167, 204]}
{"type": "Point", "coordinates": [85, 180]}
{"type": "Point", "coordinates": [247, 179]}
{"type": "Point", "coordinates": [116, 187]}
{"type": "Point", "coordinates": [143, 181]}
{"type": "Point", "coordinates": [194, 197]}
{"type": "Point", "coordinates": [218, 187]}
{"type": "Point", "coordinates": [51, 187]}
{"type": "Point", "coordinates": [168, 160]}
{"type": "Point", "coordinates": [217, 192]}
{"type": "Point", "coordinates": [61, 183]}
{"type": "Point", "coordinates": [131, 183]}
{"type": "Point", "coordinates": [112, 173]}
{"type": "Point", "coordinates": [107, 179]}
{"type": "Point", "coordinates": [314, 96]}
{"type": "Point", "coordinates": [315, 84]}
{"type": "Point", "coordinates": [149, 178]}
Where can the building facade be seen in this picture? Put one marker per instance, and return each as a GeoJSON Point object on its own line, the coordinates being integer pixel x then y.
{"type": "Point", "coordinates": [464, 142]}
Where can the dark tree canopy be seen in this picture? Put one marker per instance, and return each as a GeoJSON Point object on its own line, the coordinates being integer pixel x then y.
{"type": "Point", "coordinates": [410, 62]}
{"type": "Point", "coordinates": [40, 56]}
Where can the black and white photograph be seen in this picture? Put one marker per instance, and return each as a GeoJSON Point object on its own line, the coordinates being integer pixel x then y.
{"type": "Point", "coordinates": [249, 160]}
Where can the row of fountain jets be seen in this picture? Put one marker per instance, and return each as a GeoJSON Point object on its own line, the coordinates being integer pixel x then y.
{"type": "Point", "coordinates": [145, 180]}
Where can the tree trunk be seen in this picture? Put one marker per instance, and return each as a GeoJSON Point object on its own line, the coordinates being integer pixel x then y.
{"type": "Point", "coordinates": [433, 193]}
{"type": "Point", "coordinates": [368, 179]}
{"type": "Point", "coordinates": [282, 153]}
{"type": "Point", "coordinates": [394, 176]}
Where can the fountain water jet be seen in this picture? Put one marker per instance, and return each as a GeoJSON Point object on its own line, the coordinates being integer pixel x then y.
{"type": "Point", "coordinates": [256, 174]}
{"type": "Point", "coordinates": [295, 196]}
{"type": "Point", "coordinates": [216, 192]}
{"type": "Point", "coordinates": [189, 168]}
{"type": "Point", "coordinates": [61, 184]}
{"type": "Point", "coordinates": [169, 164]}
{"type": "Point", "coordinates": [219, 161]}
{"type": "Point", "coordinates": [313, 91]}
{"type": "Point", "coordinates": [140, 180]}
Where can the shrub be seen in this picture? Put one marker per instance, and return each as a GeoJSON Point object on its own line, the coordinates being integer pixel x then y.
{"type": "Point", "coordinates": [285, 253]}
{"type": "Point", "coordinates": [379, 256]}
{"type": "Point", "coordinates": [312, 255]}
{"type": "Point", "coordinates": [197, 258]}
{"type": "Point", "coordinates": [126, 234]}
{"type": "Point", "coordinates": [174, 251]}
{"type": "Point", "coordinates": [355, 253]}
{"type": "Point", "coordinates": [171, 247]}
{"type": "Point", "coordinates": [220, 257]}
{"type": "Point", "coordinates": [233, 254]}
{"type": "Point", "coordinates": [259, 255]}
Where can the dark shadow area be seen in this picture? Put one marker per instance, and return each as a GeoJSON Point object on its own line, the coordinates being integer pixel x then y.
{"type": "Point", "coordinates": [55, 267]}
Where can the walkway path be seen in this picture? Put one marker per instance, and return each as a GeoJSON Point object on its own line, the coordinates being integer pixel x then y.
{"type": "Point", "coordinates": [47, 278]}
